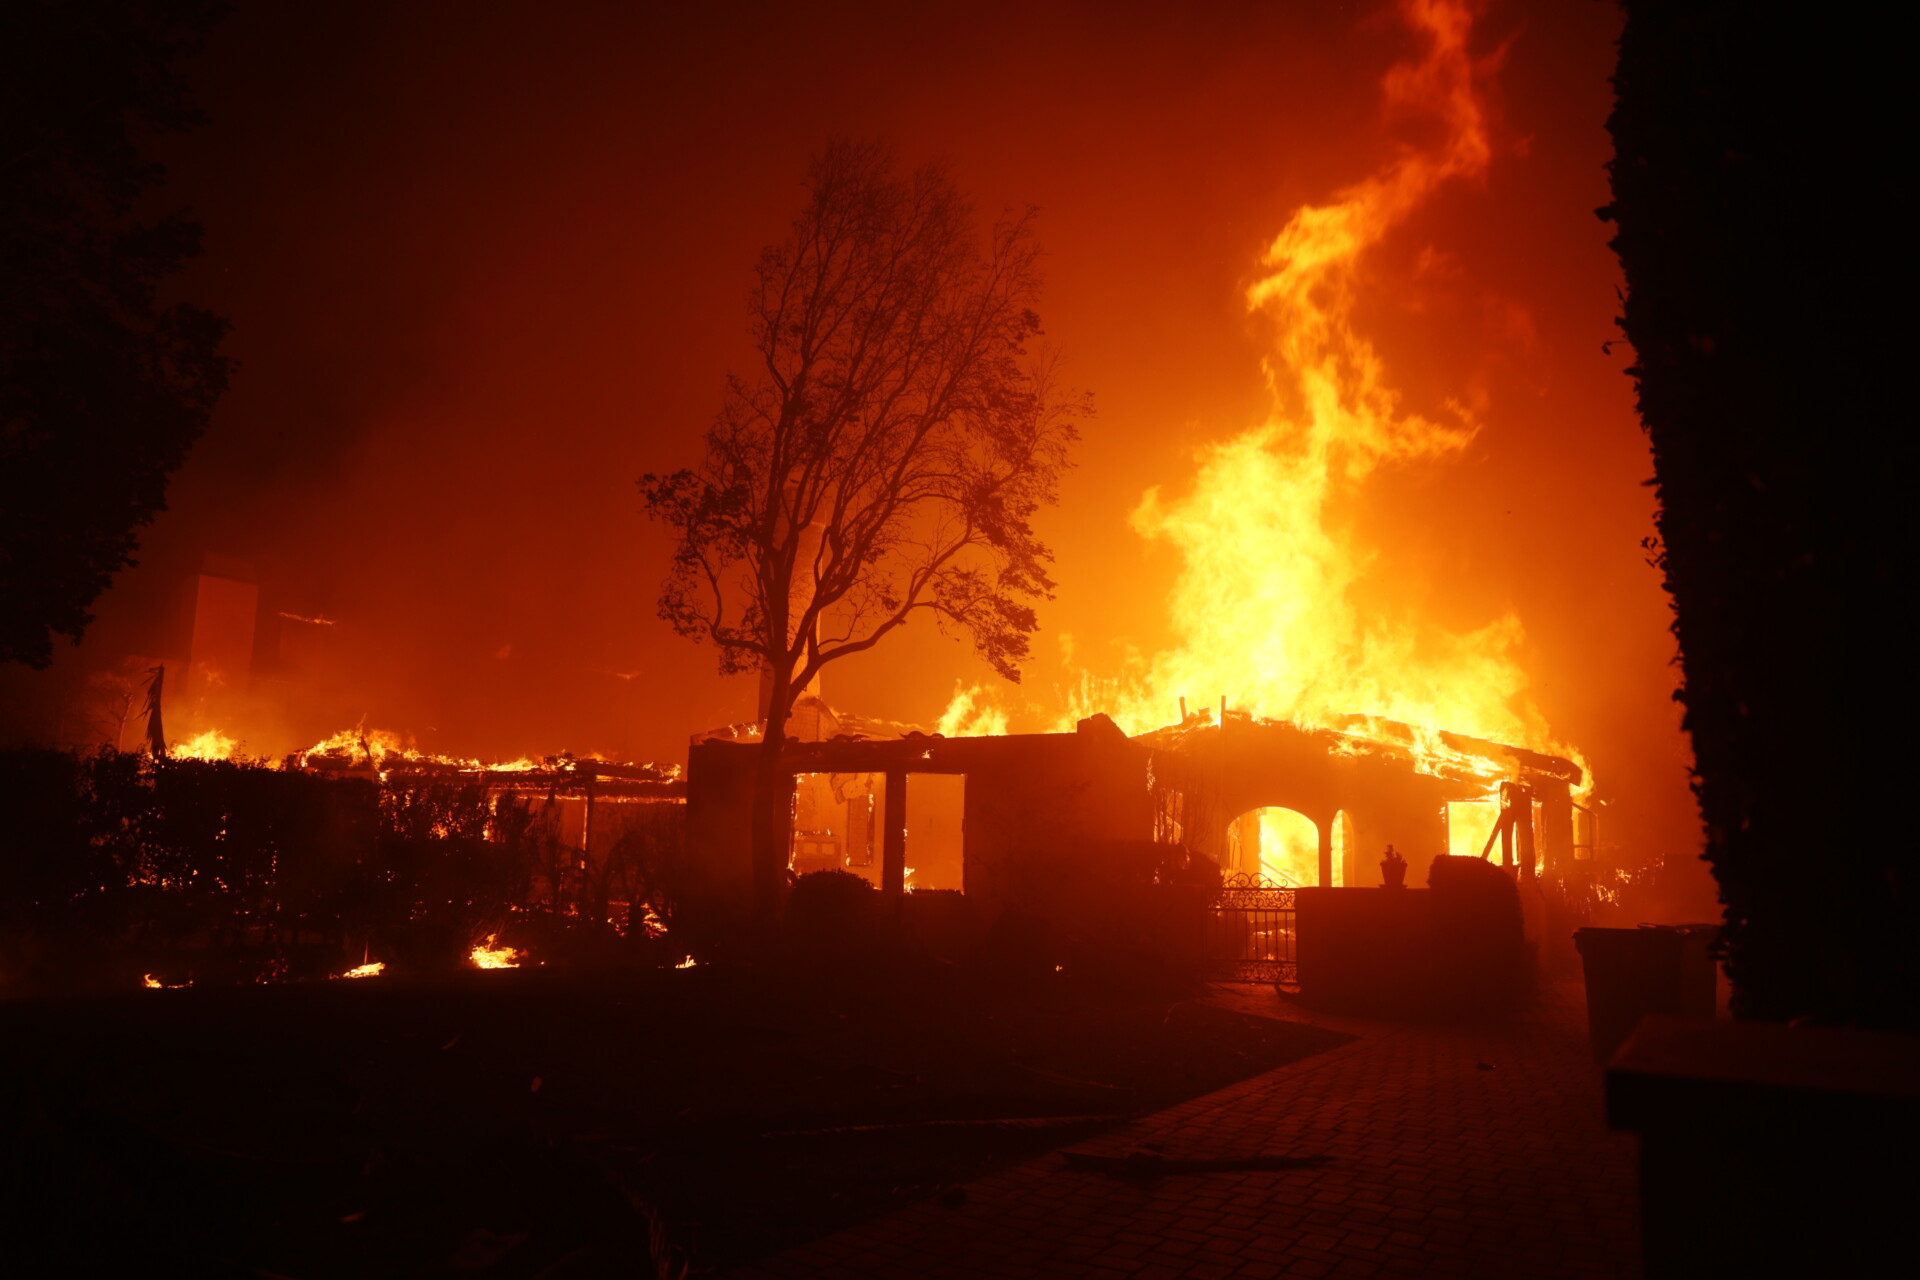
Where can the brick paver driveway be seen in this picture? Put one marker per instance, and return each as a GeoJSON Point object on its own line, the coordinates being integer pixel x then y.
{"type": "Point", "coordinates": [1462, 1151]}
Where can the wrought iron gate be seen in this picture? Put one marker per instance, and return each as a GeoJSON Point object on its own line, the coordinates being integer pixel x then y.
{"type": "Point", "coordinates": [1249, 931]}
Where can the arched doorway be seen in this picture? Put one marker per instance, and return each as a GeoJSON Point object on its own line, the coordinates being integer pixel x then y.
{"type": "Point", "coordinates": [1280, 844]}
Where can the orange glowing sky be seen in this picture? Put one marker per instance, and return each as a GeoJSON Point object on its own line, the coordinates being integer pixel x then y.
{"type": "Point", "coordinates": [486, 265]}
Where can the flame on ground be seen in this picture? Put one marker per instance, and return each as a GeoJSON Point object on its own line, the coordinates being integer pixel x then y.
{"type": "Point", "coordinates": [1266, 605]}
{"type": "Point", "coordinates": [485, 955]}
{"type": "Point", "coordinates": [371, 969]}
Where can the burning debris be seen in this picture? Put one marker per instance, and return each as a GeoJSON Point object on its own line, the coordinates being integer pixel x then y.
{"type": "Point", "coordinates": [388, 755]}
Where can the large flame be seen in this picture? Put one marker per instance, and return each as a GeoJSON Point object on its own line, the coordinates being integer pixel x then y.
{"type": "Point", "coordinates": [972, 713]}
{"type": "Point", "coordinates": [210, 745]}
{"type": "Point", "coordinates": [1265, 606]}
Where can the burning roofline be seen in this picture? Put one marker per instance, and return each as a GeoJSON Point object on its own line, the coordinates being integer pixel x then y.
{"type": "Point", "coordinates": [554, 774]}
{"type": "Point", "coordinates": [1377, 736]}
{"type": "Point", "coordinates": [1480, 763]}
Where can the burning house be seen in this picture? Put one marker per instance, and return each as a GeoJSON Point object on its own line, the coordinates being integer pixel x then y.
{"type": "Point", "coordinates": [1080, 829]}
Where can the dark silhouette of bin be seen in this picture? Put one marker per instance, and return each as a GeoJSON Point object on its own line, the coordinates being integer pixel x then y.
{"type": "Point", "coordinates": [1634, 972]}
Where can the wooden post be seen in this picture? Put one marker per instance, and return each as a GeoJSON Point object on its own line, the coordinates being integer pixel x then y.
{"type": "Point", "coordinates": [1326, 851]}
{"type": "Point", "coordinates": [1523, 827]}
{"type": "Point", "coordinates": [1556, 832]}
{"type": "Point", "coordinates": [893, 841]}
{"type": "Point", "coordinates": [586, 825]}
{"type": "Point", "coordinates": [1507, 815]}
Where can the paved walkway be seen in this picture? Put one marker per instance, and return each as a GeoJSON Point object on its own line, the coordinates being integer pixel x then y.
{"type": "Point", "coordinates": [1459, 1152]}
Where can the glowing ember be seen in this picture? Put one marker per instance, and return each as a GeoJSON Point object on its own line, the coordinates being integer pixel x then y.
{"type": "Point", "coordinates": [371, 969]}
{"type": "Point", "coordinates": [148, 980]}
{"type": "Point", "coordinates": [1268, 605]}
{"type": "Point", "coordinates": [687, 963]}
{"type": "Point", "coordinates": [210, 745]}
{"type": "Point", "coordinates": [486, 955]}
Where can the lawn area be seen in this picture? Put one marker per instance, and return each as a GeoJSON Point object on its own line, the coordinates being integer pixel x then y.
{"type": "Point", "coordinates": [540, 1123]}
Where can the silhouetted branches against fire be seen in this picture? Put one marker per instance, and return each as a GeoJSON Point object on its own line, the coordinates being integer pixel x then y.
{"type": "Point", "coordinates": [886, 456]}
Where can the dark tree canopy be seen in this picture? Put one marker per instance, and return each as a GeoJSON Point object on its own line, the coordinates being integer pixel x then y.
{"type": "Point", "coordinates": [886, 455]}
{"type": "Point", "coordinates": [103, 387]}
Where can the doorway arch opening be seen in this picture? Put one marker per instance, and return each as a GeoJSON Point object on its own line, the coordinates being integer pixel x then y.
{"type": "Point", "coordinates": [1279, 843]}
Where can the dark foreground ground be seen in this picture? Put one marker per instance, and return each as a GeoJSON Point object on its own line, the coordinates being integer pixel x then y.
{"type": "Point", "coordinates": [1477, 1150]}
{"type": "Point", "coordinates": [528, 1123]}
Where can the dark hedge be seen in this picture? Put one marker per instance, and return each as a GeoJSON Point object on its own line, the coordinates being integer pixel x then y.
{"type": "Point", "coordinates": [1767, 254]}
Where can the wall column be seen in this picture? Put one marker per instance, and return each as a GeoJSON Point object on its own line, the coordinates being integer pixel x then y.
{"type": "Point", "coordinates": [1556, 831]}
{"type": "Point", "coordinates": [1326, 851]}
{"type": "Point", "coordinates": [893, 841]}
{"type": "Point", "coordinates": [1523, 828]}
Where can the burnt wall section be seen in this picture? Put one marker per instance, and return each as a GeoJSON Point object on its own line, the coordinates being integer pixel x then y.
{"type": "Point", "coordinates": [720, 827]}
{"type": "Point", "coordinates": [1044, 813]}
{"type": "Point", "coordinates": [1047, 814]}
